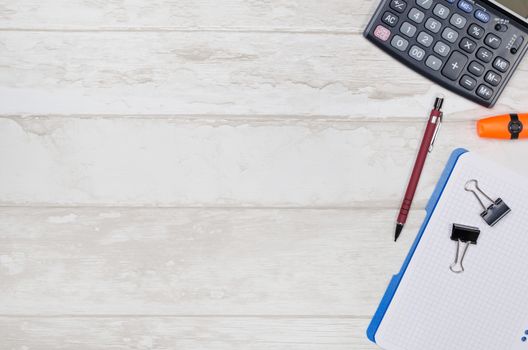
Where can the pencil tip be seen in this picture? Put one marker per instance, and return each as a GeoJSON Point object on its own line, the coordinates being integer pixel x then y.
{"type": "Point", "coordinates": [399, 228]}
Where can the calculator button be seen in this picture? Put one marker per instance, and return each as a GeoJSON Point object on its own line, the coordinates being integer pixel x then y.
{"type": "Point", "coordinates": [433, 62]}
{"type": "Point", "coordinates": [442, 49]}
{"type": "Point", "coordinates": [441, 11]}
{"type": "Point", "coordinates": [425, 39]}
{"type": "Point", "coordinates": [416, 15]}
{"type": "Point", "coordinates": [458, 21]}
{"type": "Point", "coordinates": [450, 35]}
{"type": "Point", "coordinates": [482, 16]}
{"type": "Point", "coordinates": [476, 31]}
{"type": "Point", "coordinates": [493, 78]}
{"type": "Point", "coordinates": [493, 41]}
{"type": "Point", "coordinates": [465, 6]}
{"type": "Point", "coordinates": [468, 82]}
{"type": "Point", "coordinates": [398, 5]}
{"type": "Point", "coordinates": [408, 29]}
{"type": "Point", "coordinates": [390, 19]}
{"type": "Point", "coordinates": [468, 45]}
{"type": "Point", "coordinates": [501, 64]}
{"type": "Point", "coordinates": [433, 25]}
{"type": "Point", "coordinates": [484, 55]}
{"type": "Point", "coordinates": [485, 92]}
{"type": "Point", "coordinates": [417, 53]}
{"type": "Point", "coordinates": [455, 65]}
{"type": "Point", "coordinates": [382, 33]}
{"type": "Point", "coordinates": [451, 1]}
{"type": "Point", "coordinates": [426, 4]}
{"type": "Point", "coordinates": [476, 68]}
{"type": "Point", "coordinates": [399, 43]}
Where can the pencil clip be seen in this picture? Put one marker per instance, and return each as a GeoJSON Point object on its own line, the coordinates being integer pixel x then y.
{"type": "Point", "coordinates": [438, 121]}
{"type": "Point", "coordinates": [464, 236]}
{"type": "Point", "coordinates": [497, 209]}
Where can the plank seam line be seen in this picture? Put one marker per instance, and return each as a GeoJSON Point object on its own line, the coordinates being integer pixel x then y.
{"type": "Point", "coordinates": [314, 31]}
{"type": "Point", "coordinates": [264, 118]}
{"type": "Point", "coordinates": [344, 317]}
{"type": "Point", "coordinates": [168, 207]}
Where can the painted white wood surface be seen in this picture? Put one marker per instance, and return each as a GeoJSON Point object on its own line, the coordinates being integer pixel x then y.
{"type": "Point", "coordinates": [218, 73]}
{"type": "Point", "coordinates": [228, 162]}
{"type": "Point", "coordinates": [185, 333]}
{"type": "Point", "coordinates": [207, 174]}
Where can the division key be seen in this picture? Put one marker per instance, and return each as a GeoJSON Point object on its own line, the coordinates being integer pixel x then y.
{"type": "Point", "coordinates": [455, 65]}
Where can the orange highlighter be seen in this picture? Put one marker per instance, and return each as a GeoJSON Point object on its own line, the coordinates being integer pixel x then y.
{"type": "Point", "coordinates": [506, 127]}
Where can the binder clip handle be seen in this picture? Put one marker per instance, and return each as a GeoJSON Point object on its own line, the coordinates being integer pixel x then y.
{"type": "Point", "coordinates": [458, 265]}
{"type": "Point", "coordinates": [473, 187]}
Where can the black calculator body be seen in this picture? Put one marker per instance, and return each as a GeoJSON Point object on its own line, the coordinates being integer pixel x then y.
{"type": "Point", "coordinates": [470, 47]}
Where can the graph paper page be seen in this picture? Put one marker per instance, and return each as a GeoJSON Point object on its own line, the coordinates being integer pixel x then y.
{"type": "Point", "coordinates": [484, 308]}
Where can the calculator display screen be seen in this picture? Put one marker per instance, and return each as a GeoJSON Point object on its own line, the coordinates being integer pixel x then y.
{"type": "Point", "coordinates": [520, 7]}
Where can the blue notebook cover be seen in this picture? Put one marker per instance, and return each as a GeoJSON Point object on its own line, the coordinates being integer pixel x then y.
{"type": "Point", "coordinates": [396, 279]}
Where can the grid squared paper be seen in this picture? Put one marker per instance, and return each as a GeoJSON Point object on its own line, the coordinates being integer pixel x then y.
{"type": "Point", "coordinates": [486, 307]}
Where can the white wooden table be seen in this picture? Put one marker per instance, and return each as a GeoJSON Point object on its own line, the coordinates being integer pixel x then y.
{"type": "Point", "coordinates": [205, 174]}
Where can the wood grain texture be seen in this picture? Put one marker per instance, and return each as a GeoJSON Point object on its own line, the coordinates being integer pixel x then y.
{"type": "Point", "coordinates": [265, 15]}
{"type": "Point", "coordinates": [149, 333]}
{"type": "Point", "coordinates": [224, 162]}
{"type": "Point", "coordinates": [204, 174]}
{"type": "Point", "coordinates": [119, 261]}
{"type": "Point", "coordinates": [197, 73]}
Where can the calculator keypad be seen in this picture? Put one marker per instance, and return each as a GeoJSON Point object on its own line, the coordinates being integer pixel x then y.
{"type": "Point", "coordinates": [416, 15]}
{"type": "Point", "coordinates": [408, 29]}
{"type": "Point", "coordinates": [456, 42]}
{"type": "Point", "coordinates": [455, 65]}
{"type": "Point", "coordinates": [398, 5]}
{"type": "Point", "coordinates": [468, 45]}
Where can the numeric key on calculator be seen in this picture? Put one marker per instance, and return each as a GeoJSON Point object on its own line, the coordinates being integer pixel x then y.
{"type": "Point", "coordinates": [426, 4]}
{"type": "Point", "coordinates": [416, 15]}
{"type": "Point", "coordinates": [441, 11]}
{"type": "Point", "coordinates": [417, 53]}
{"type": "Point", "coordinates": [442, 49]}
{"type": "Point", "coordinates": [398, 5]}
{"type": "Point", "coordinates": [425, 39]}
{"type": "Point", "coordinates": [458, 21]}
{"type": "Point", "coordinates": [408, 29]}
{"type": "Point", "coordinates": [454, 66]}
{"type": "Point", "coordinates": [399, 43]}
{"type": "Point", "coordinates": [450, 35]}
{"type": "Point", "coordinates": [433, 25]}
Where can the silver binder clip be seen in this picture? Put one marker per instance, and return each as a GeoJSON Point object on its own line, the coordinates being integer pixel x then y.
{"type": "Point", "coordinates": [495, 211]}
{"type": "Point", "coordinates": [464, 236]}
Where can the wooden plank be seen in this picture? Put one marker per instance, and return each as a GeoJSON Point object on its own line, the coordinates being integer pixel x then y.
{"type": "Point", "coordinates": [248, 333]}
{"type": "Point", "coordinates": [118, 261]}
{"type": "Point", "coordinates": [269, 15]}
{"type": "Point", "coordinates": [225, 162]}
{"type": "Point", "coordinates": [218, 73]}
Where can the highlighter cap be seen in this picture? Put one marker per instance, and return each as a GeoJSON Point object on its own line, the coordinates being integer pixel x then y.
{"type": "Point", "coordinates": [505, 127]}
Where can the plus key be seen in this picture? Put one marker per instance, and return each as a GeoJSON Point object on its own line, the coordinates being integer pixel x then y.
{"type": "Point", "coordinates": [455, 65]}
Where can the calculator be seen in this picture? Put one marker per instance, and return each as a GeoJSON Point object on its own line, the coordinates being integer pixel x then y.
{"type": "Point", "coordinates": [469, 47]}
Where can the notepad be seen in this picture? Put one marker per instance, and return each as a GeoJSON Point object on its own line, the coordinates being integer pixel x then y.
{"type": "Point", "coordinates": [428, 307]}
